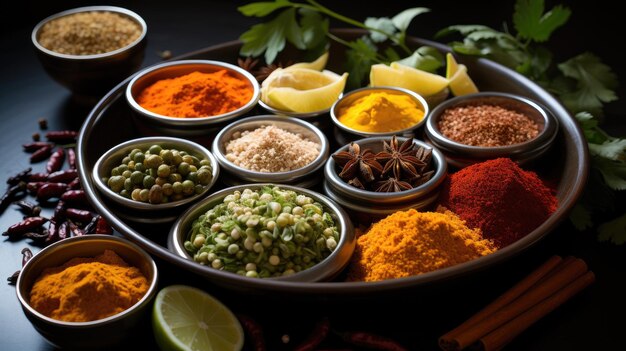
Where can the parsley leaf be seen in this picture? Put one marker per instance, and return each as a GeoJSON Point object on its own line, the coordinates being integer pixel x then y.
{"type": "Point", "coordinates": [359, 58]}
{"type": "Point", "coordinates": [613, 172]}
{"type": "Point", "coordinates": [425, 58]}
{"type": "Point", "coordinates": [614, 231]}
{"type": "Point", "coordinates": [402, 20]}
{"type": "Point", "coordinates": [581, 217]}
{"type": "Point", "coordinates": [262, 9]}
{"type": "Point", "coordinates": [531, 23]}
{"type": "Point", "coordinates": [314, 29]}
{"type": "Point", "coordinates": [612, 149]}
{"type": "Point", "coordinates": [384, 25]}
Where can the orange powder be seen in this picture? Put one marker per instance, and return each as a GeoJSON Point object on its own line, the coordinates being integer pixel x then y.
{"type": "Point", "coordinates": [196, 94]}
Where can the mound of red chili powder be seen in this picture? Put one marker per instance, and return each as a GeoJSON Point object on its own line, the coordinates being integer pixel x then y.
{"type": "Point", "coordinates": [497, 196]}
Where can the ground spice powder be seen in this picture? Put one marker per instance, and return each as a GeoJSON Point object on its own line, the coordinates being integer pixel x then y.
{"type": "Point", "coordinates": [196, 94]}
{"type": "Point", "coordinates": [497, 196]}
{"type": "Point", "coordinates": [88, 289]}
{"type": "Point", "coordinates": [409, 243]}
{"type": "Point", "coordinates": [381, 112]}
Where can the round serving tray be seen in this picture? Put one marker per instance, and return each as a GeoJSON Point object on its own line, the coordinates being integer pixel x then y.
{"type": "Point", "coordinates": [564, 166]}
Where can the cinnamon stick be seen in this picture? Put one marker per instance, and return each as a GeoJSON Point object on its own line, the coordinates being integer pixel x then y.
{"type": "Point", "coordinates": [545, 281]}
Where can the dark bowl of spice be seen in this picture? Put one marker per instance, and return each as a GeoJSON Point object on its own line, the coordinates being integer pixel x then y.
{"type": "Point", "coordinates": [271, 149]}
{"type": "Point", "coordinates": [488, 125]}
{"type": "Point", "coordinates": [270, 231]}
{"type": "Point", "coordinates": [88, 291]}
{"type": "Point", "coordinates": [191, 97]}
{"type": "Point", "coordinates": [374, 177]}
{"type": "Point", "coordinates": [91, 49]}
{"type": "Point", "coordinates": [155, 178]}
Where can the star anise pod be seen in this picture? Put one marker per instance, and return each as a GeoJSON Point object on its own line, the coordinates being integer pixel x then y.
{"type": "Point", "coordinates": [392, 185]}
{"type": "Point", "coordinates": [249, 64]}
{"type": "Point", "coordinates": [358, 164]}
{"type": "Point", "coordinates": [264, 71]}
{"type": "Point", "coordinates": [400, 159]}
{"type": "Point", "coordinates": [421, 179]}
{"type": "Point", "coordinates": [355, 182]}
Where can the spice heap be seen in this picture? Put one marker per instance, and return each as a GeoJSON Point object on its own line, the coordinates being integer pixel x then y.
{"type": "Point", "coordinates": [270, 149]}
{"type": "Point", "coordinates": [268, 232]}
{"type": "Point", "coordinates": [89, 33]}
{"type": "Point", "coordinates": [381, 112]}
{"type": "Point", "coordinates": [487, 125]}
{"type": "Point", "coordinates": [408, 243]}
{"type": "Point", "coordinates": [158, 175]}
{"type": "Point", "coordinates": [497, 196]}
{"type": "Point", "coordinates": [398, 167]}
{"type": "Point", "coordinates": [88, 289]}
{"type": "Point", "coordinates": [196, 94]}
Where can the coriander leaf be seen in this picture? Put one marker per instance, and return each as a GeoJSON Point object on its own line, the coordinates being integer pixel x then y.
{"type": "Point", "coordinates": [314, 28]}
{"type": "Point", "coordinates": [589, 124]}
{"type": "Point", "coordinates": [613, 172]}
{"type": "Point", "coordinates": [359, 59]}
{"type": "Point", "coordinates": [531, 23]}
{"type": "Point", "coordinates": [595, 83]}
{"type": "Point", "coordinates": [402, 20]}
{"type": "Point", "coordinates": [383, 24]}
{"type": "Point", "coordinates": [614, 231]}
{"type": "Point", "coordinates": [262, 9]}
{"type": "Point", "coordinates": [612, 149]}
{"type": "Point", "coordinates": [540, 61]}
{"type": "Point", "coordinates": [463, 29]}
{"type": "Point", "coordinates": [580, 217]}
{"type": "Point", "coordinates": [271, 36]}
{"type": "Point", "coordinates": [425, 58]}
{"type": "Point", "coordinates": [391, 54]}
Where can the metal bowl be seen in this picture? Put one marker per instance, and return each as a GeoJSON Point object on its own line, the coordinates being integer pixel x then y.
{"type": "Point", "coordinates": [290, 124]}
{"type": "Point", "coordinates": [461, 155]}
{"type": "Point", "coordinates": [354, 95]}
{"type": "Point", "coordinates": [113, 158]}
{"type": "Point", "coordinates": [327, 269]}
{"type": "Point", "coordinates": [303, 115]}
{"type": "Point", "coordinates": [371, 205]}
{"type": "Point", "coordinates": [92, 75]}
{"type": "Point", "coordinates": [106, 332]}
{"type": "Point", "coordinates": [185, 126]}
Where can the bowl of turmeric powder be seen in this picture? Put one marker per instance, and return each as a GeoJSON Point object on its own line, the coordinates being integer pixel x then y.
{"type": "Point", "coordinates": [191, 97]}
{"type": "Point", "coordinates": [88, 290]}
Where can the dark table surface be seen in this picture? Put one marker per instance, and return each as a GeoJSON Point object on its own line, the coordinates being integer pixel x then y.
{"type": "Point", "coordinates": [592, 320]}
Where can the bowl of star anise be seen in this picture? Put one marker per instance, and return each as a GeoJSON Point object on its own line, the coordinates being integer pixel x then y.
{"type": "Point", "coordinates": [382, 175]}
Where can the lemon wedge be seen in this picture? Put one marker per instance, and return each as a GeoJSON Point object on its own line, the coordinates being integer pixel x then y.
{"type": "Point", "coordinates": [302, 90]}
{"type": "Point", "coordinates": [460, 81]}
{"type": "Point", "coordinates": [317, 65]}
{"type": "Point", "coordinates": [421, 82]}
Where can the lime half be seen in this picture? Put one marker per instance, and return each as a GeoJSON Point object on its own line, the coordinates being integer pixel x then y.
{"type": "Point", "coordinates": [187, 318]}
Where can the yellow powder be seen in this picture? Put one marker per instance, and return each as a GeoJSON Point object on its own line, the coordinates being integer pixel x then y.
{"type": "Point", "coordinates": [87, 289]}
{"type": "Point", "coordinates": [408, 243]}
{"type": "Point", "coordinates": [381, 112]}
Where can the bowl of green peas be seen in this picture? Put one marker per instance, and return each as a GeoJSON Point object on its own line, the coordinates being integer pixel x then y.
{"type": "Point", "coordinates": [155, 174]}
{"type": "Point", "coordinates": [265, 231]}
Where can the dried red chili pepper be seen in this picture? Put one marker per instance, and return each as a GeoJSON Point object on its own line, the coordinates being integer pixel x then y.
{"type": "Point", "coordinates": [254, 330]}
{"type": "Point", "coordinates": [11, 195]}
{"type": "Point", "coordinates": [41, 154]}
{"type": "Point", "coordinates": [372, 341]}
{"type": "Point", "coordinates": [26, 256]}
{"type": "Point", "coordinates": [74, 229]}
{"type": "Point", "coordinates": [27, 225]}
{"type": "Point", "coordinates": [75, 184]}
{"type": "Point", "coordinates": [28, 208]}
{"type": "Point", "coordinates": [59, 211]}
{"type": "Point", "coordinates": [75, 197]}
{"type": "Point", "coordinates": [102, 226]}
{"type": "Point", "coordinates": [82, 216]}
{"type": "Point", "coordinates": [34, 146]}
{"type": "Point", "coordinates": [62, 231]}
{"type": "Point", "coordinates": [319, 333]}
{"type": "Point", "coordinates": [90, 228]}
{"type": "Point", "coordinates": [22, 176]}
{"type": "Point", "coordinates": [55, 162]}
{"type": "Point", "coordinates": [62, 136]}
{"type": "Point", "coordinates": [65, 176]}
{"type": "Point", "coordinates": [38, 177]}
{"type": "Point", "coordinates": [33, 187]}
{"type": "Point", "coordinates": [53, 234]}
{"type": "Point", "coordinates": [51, 190]}
{"type": "Point", "coordinates": [71, 158]}
{"type": "Point", "coordinates": [37, 236]}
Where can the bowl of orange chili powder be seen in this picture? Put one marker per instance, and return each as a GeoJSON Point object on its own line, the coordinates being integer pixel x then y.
{"type": "Point", "coordinates": [190, 97]}
{"type": "Point", "coordinates": [88, 290]}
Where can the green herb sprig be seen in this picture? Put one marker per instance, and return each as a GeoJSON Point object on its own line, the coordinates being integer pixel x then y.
{"type": "Point", "coordinates": [583, 83]}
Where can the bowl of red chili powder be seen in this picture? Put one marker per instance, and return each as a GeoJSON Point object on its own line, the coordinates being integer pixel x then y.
{"type": "Point", "coordinates": [190, 97]}
{"type": "Point", "coordinates": [476, 127]}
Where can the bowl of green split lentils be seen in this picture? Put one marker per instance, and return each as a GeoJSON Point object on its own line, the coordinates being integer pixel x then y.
{"type": "Point", "coordinates": [91, 49]}
{"type": "Point", "coordinates": [155, 174]}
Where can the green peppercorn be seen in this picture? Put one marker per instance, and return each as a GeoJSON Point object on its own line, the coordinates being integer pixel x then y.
{"type": "Point", "coordinates": [163, 171]}
{"type": "Point", "coordinates": [127, 173]}
{"type": "Point", "coordinates": [193, 176]}
{"type": "Point", "coordinates": [139, 157]}
{"type": "Point", "coordinates": [156, 194]}
{"type": "Point", "coordinates": [144, 195]}
{"type": "Point", "coordinates": [183, 168]}
{"type": "Point", "coordinates": [148, 181]}
{"type": "Point", "coordinates": [155, 149]}
{"type": "Point", "coordinates": [188, 187]}
{"type": "Point", "coordinates": [198, 189]}
{"type": "Point", "coordinates": [167, 189]}
{"type": "Point", "coordinates": [137, 177]}
{"type": "Point", "coordinates": [203, 176]}
{"type": "Point", "coordinates": [139, 167]}
{"type": "Point", "coordinates": [116, 183]}
{"type": "Point", "coordinates": [177, 187]}
{"type": "Point", "coordinates": [175, 177]}
{"type": "Point", "coordinates": [167, 156]}
{"type": "Point", "coordinates": [153, 161]}
{"type": "Point", "coordinates": [135, 194]}
{"type": "Point", "coordinates": [128, 184]}
{"type": "Point", "coordinates": [205, 162]}
{"type": "Point", "coordinates": [160, 181]}
{"type": "Point", "coordinates": [125, 160]}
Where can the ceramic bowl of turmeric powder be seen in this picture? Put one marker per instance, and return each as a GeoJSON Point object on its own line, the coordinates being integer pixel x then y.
{"type": "Point", "coordinates": [191, 97]}
{"type": "Point", "coordinates": [88, 291]}
{"type": "Point", "coordinates": [379, 111]}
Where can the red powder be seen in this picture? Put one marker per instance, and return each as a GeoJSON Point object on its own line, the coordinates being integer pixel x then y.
{"type": "Point", "coordinates": [500, 198]}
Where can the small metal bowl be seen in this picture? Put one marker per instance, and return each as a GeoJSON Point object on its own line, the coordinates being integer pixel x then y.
{"type": "Point", "coordinates": [325, 270]}
{"type": "Point", "coordinates": [103, 333]}
{"type": "Point", "coordinates": [370, 205]}
{"type": "Point", "coordinates": [185, 126]}
{"type": "Point", "coordinates": [290, 124]}
{"type": "Point", "coordinates": [137, 209]}
{"type": "Point", "coordinates": [460, 155]}
{"type": "Point", "coordinates": [91, 76]}
{"type": "Point", "coordinates": [354, 95]}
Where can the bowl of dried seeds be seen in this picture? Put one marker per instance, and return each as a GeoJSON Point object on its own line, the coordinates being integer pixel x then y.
{"type": "Point", "coordinates": [91, 49]}
{"type": "Point", "coordinates": [476, 127]}
{"type": "Point", "coordinates": [270, 148]}
{"type": "Point", "coordinates": [374, 177]}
